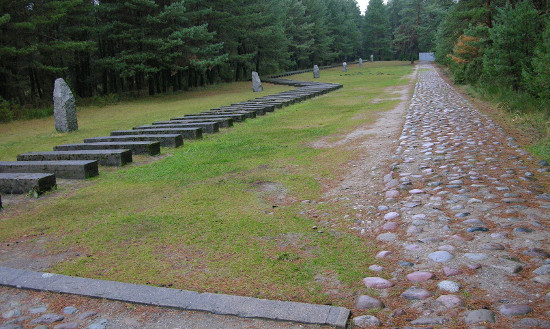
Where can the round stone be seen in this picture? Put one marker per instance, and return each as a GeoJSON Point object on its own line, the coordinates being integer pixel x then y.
{"type": "Point", "coordinates": [416, 191]}
{"type": "Point", "coordinates": [441, 256]}
{"type": "Point", "coordinates": [542, 279]}
{"type": "Point", "coordinates": [404, 263]}
{"type": "Point", "coordinates": [376, 268]}
{"type": "Point", "coordinates": [414, 230]}
{"type": "Point", "coordinates": [383, 254]}
{"type": "Point", "coordinates": [515, 309]}
{"type": "Point", "coordinates": [419, 276]}
{"type": "Point", "coordinates": [473, 221]}
{"type": "Point", "coordinates": [387, 237]}
{"type": "Point", "coordinates": [476, 229]}
{"type": "Point", "coordinates": [449, 271]}
{"type": "Point", "coordinates": [492, 246]}
{"type": "Point", "coordinates": [449, 286]}
{"type": "Point", "coordinates": [480, 316]}
{"type": "Point", "coordinates": [377, 282]}
{"type": "Point", "coordinates": [450, 301]}
{"type": "Point", "coordinates": [462, 214]}
{"type": "Point", "coordinates": [67, 325]}
{"type": "Point", "coordinates": [87, 314]}
{"type": "Point", "coordinates": [391, 215]}
{"type": "Point", "coordinates": [366, 321]}
{"type": "Point", "coordinates": [390, 226]}
{"type": "Point", "coordinates": [392, 194]}
{"type": "Point", "coordinates": [39, 309]}
{"type": "Point", "coordinates": [416, 293]}
{"type": "Point", "coordinates": [70, 310]}
{"type": "Point", "coordinates": [543, 270]}
{"type": "Point", "coordinates": [367, 302]}
{"type": "Point", "coordinates": [11, 314]}
{"type": "Point", "coordinates": [446, 247]}
{"type": "Point", "coordinates": [48, 319]}
{"type": "Point", "coordinates": [419, 216]}
{"type": "Point", "coordinates": [536, 252]}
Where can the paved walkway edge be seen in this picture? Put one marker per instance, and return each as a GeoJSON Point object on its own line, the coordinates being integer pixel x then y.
{"type": "Point", "coordinates": [246, 307]}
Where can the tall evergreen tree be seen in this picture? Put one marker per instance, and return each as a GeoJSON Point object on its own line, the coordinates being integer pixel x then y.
{"type": "Point", "coordinates": [299, 33]}
{"type": "Point", "coordinates": [514, 37]}
{"type": "Point", "coordinates": [377, 31]}
{"type": "Point", "coordinates": [322, 39]}
{"type": "Point", "coordinates": [537, 79]}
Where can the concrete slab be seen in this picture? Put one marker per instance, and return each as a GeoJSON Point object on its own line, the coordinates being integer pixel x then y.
{"type": "Point", "coordinates": [222, 122]}
{"type": "Point", "coordinates": [118, 157]}
{"type": "Point", "coordinates": [21, 183]}
{"type": "Point", "coordinates": [208, 127]}
{"type": "Point", "coordinates": [142, 147]}
{"type": "Point", "coordinates": [166, 140]}
{"type": "Point", "coordinates": [186, 133]}
{"type": "Point", "coordinates": [76, 169]}
{"type": "Point", "coordinates": [246, 307]}
{"type": "Point", "coordinates": [235, 117]}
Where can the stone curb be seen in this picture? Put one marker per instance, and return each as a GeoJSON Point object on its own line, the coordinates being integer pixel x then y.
{"type": "Point", "coordinates": [246, 307]}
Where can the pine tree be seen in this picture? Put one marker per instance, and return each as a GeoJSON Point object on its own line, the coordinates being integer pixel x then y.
{"type": "Point", "coordinates": [299, 33]}
{"type": "Point", "coordinates": [537, 80]}
{"type": "Point", "coordinates": [322, 39]}
{"type": "Point", "coordinates": [377, 32]}
{"type": "Point", "coordinates": [514, 36]}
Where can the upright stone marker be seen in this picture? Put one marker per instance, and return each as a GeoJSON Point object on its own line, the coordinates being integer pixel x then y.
{"type": "Point", "coordinates": [360, 62]}
{"type": "Point", "coordinates": [316, 71]}
{"type": "Point", "coordinates": [64, 107]}
{"type": "Point", "coordinates": [345, 67]}
{"type": "Point", "coordinates": [256, 83]}
{"type": "Point", "coordinates": [372, 58]}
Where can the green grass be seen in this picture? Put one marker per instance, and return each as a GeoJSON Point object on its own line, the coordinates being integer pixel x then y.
{"type": "Point", "coordinates": [222, 214]}
{"type": "Point", "coordinates": [524, 115]}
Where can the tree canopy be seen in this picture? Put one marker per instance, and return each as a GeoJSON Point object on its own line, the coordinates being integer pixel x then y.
{"type": "Point", "coordinates": [108, 46]}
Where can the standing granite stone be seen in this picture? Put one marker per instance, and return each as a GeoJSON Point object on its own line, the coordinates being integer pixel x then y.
{"type": "Point", "coordinates": [360, 62]}
{"type": "Point", "coordinates": [345, 67]}
{"type": "Point", "coordinates": [316, 72]}
{"type": "Point", "coordinates": [64, 108]}
{"type": "Point", "coordinates": [256, 83]}
{"type": "Point", "coordinates": [372, 58]}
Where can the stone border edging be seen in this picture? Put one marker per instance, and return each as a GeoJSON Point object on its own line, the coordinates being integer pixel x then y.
{"type": "Point", "coordinates": [246, 307]}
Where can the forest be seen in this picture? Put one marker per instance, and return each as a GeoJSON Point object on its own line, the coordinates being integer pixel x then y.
{"type": "Point", "coordinates": [106, 47]}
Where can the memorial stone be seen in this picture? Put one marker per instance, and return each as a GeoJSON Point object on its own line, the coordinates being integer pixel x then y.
{"type": "Point", "coordinates": [316, 71]}
{"type": "Point", "coordinates": [372, 58]}
{"type": "Point", "coordinates": [345, 67]}
{"type": "Point", "coordinates": [360, 62]}
{"type": "Point", "coordinates": [64, 108]}
{"type": "Point", "coordinates": [256, 83]}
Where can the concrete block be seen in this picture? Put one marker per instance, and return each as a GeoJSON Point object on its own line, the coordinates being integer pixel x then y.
{"type": "Point", "coordinates": [21, 183]}
{"type": "Point", "coordinates": [76, 169]}
{"type": "Point", "coordinates": [117, 157]}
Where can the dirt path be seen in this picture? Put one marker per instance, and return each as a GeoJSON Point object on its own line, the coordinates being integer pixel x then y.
{"type": "Point", "coordinates": [461, 216]}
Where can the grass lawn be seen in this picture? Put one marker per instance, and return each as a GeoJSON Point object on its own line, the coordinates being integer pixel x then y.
{"type": "Point", "coordinates": [222, 214]}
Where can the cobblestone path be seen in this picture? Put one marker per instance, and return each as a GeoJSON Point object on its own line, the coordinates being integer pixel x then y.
{"type": "Point", "coordinates": [463, 223]}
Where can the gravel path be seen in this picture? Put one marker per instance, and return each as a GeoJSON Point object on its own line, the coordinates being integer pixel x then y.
{"type": "Point", "coordinates": [462, 223]}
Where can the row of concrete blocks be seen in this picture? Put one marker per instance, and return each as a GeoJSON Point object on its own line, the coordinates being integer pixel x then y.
{"type": "Point", "coordinates": [37, 171]}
